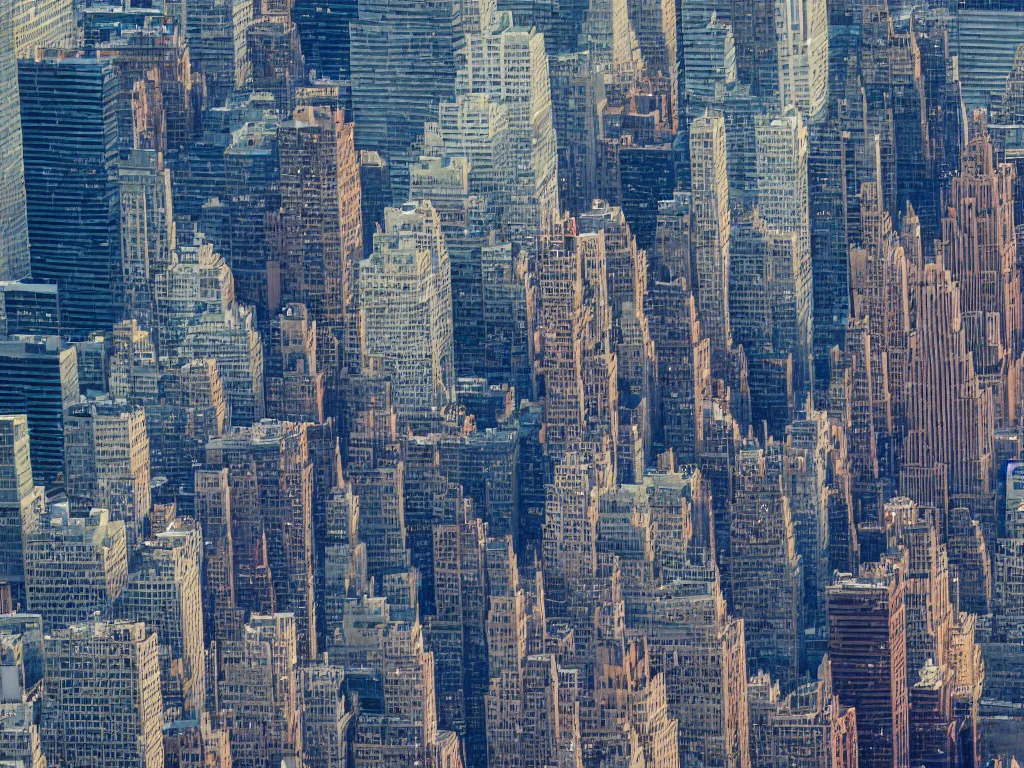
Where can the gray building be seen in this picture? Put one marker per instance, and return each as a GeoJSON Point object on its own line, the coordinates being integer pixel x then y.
{"type": "Point", "coordinates": [39, 377]}
{"type": "Point", "coordinates": [14, 257]}
{"type": "Point", "coordinates": [28, 308]}
{"type": "Point", "coordinates": [20, 502]}
{"type": "Point", "coordinates": [69, 128]}
{"type": "Point", "coordinates": [403, 67]}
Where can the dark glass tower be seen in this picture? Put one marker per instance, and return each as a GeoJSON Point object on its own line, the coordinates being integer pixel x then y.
{"type": "Point", "coordinates": [14, 260]}
{"type": "Point", "coordinates": [323, 32]}
{"type": "Point", "coordinates": [69, 125]}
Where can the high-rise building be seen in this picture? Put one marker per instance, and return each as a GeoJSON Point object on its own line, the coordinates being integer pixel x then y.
{"type": "Point", "coordinates": [322, 223]}
{"type": "Point", "coordinates": [625, 264]}
{"type": "Point", "coordinates": [163, 591]}
{"type": "Point", "coordinates": [323, 30]}
{"type": "Point", "coordinates": [684, 369]}
{"type": "Point", "coordinates": [71, 183]}
{"type": "Point", "coordinates": [828, 201]}
{"type": "Point", "coordinates": [402, 727]}
{"type": "Point", "coordinates": [809, 727]}
{"type": "Point", "coordinates": [868, 650]}
{"type": "Point", "coordinates": [21, 503]}
{"type": "Point", "coordinates": [700, 647]}
{"type": "Point", "coordinates": [948, 444]}
{"type": "Point", "coordinates": [112, 670]}
{"type": "Point", "coordinates": [271, 476]}
{"type": "Point", "coordinates": [39, 377]}
{"type": "Point", "coordinates": [532, 703]}
{"type": "Point", "coordinates": [29, 309]}
{"type": "Point", "coordinates": [766, 584]}
{"type": "Point", "coordinates": [196, 743]}
{"type": "Point", "coordinates": [710, 224]}
{"type": "Point", "coordinates": [811, 482]}
{"type": "Point", "coordinates": [252, 171]}
{"type": "Point", "coordinates": [783, 205]}
{"type": "Point", "coordinates": [197, 285]}
{"type": "Point", "coordinates": [467, 224]}
{"type": "Point", "coordinates": [216, 33]}
{"type": "Point", "coordinates": [508, 63]}
{"type": "Point", "coordinates": [375, 190]}
{"type": "Point", "coordinates": [14, 255]}
{"type": "Point", "coordinates": [979, 239]}
{"type": "Point", "coordinates": [405, 304]}
{"type": "Point", "coordinates": [232, 340]}
{"type": "Point", "coordinates": [579, 363]}
{"type": "Point", "coordinates": [708, 47]}
{"type": "Point", "coordinates": [295, 385]}
{"type": "Point", "coordinates": [985, 39]}
{"type": "Point", "coordinates": [257, 689]}
{"type": "Point", "coordinates": [106, 459]}
{"type": "Point", "coordinates": [456, 633]}
{"type": "Point", "coordinates": [757, 46]}
{"type": "Point", "coordinates": [506, 331]}
{"type": "Point", "coordinates": [476, 127]}
{"type": "Point", "coordinates": [20, 740]}
{"type": "Point", "coordinates": [326, 716]}
{"type": "Point", "coordinates": [221, 619]}
{"type": "Point", "coordinates": [763, 312]}
{"type": "Point", "coordinates": [570, 531]}
{"type": "Point", "coordinates": [646, 174]}
{"type": "Point", "coordinates": [158, 110]}
{"type": "Point", "coordinates": [802, 33]}
{"type": "Point", "coordinates": [275, 58]}
{"type": "Point", "coordinates": [43, 24]}
{"type": "Point", "coordinates": [148, 235]}
{"type": "Point", "coordinates": [575, 92]}
{"type": "Point", "coordinates": [402, 63]}
{"type": "Point", "coordinates": [75, 566]}
{"type": "Point", "coordinates": [132, 370]}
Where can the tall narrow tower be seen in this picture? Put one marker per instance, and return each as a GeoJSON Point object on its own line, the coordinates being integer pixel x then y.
{"type": "Point", "coordinates": [711, 223]}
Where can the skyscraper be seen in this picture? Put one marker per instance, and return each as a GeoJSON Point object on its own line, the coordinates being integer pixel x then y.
{"type": "Point", "coordinates": [763, 568]}
{"type": "Point", "coordinates": [275, 58]}
{"type": "Point", "coordinates": [21, 503]}
{"type": "Point", "coordinates": [948, 444]}
{"type": "Point", "coordinates": [803, 55]}
{"type": "Point", "coordinates": [39, 377]}
{"type": "Point", "coordinates": [106, 459]}
{"type": "Point", "coordinates": [71, 183]}
{"type": "Point", "coordinates": [295, 385]}
{"type": "Point", "coordinates": [701, 648]}
{"type": "Point", "coordinates": [75, 566]}
{"type": "Point", "coordinates": [868, 647]}
{"type": "Point", "coordinates": [783, 205]}
{"type": "Point", "coordinates": [710, 224]}
{"type": "Point", "coordinates": [322, 239]}
{"type": "Point", "coordinates": [113, 670]}
{"type": "Point", "coordinates": [216, 33]}
{"type": "Point", "coordinates": [324, 32]}
{"type": "Point", "coordinates": [271, 493]}
{"type": "Point", "coordinates": [978, 239]}
{"type": "Point", "coordinates": [163, 591]}
{"type": "Point", "coordinates": [405, 303]}
{"type": "Point", "coordinates": [508, 64]}
{"type": "Point", "coordinates": [575, 90]}
{"type": "Point", "coordinates": [403, 66]}
{"type": "Point", "coordinates": [809, 727]}
{"type": "Point", "coordinates": [14, 256]}
{"type": "Point", "coordinates": [148, 234]}
{"type": "Point", "coordinates": [258, 686]}
{"type": "Point", "coordinates": [221, 619]}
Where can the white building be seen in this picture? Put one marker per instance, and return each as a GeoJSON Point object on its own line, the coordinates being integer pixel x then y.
{"type": "Point", "coordinates": [405, 301]}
